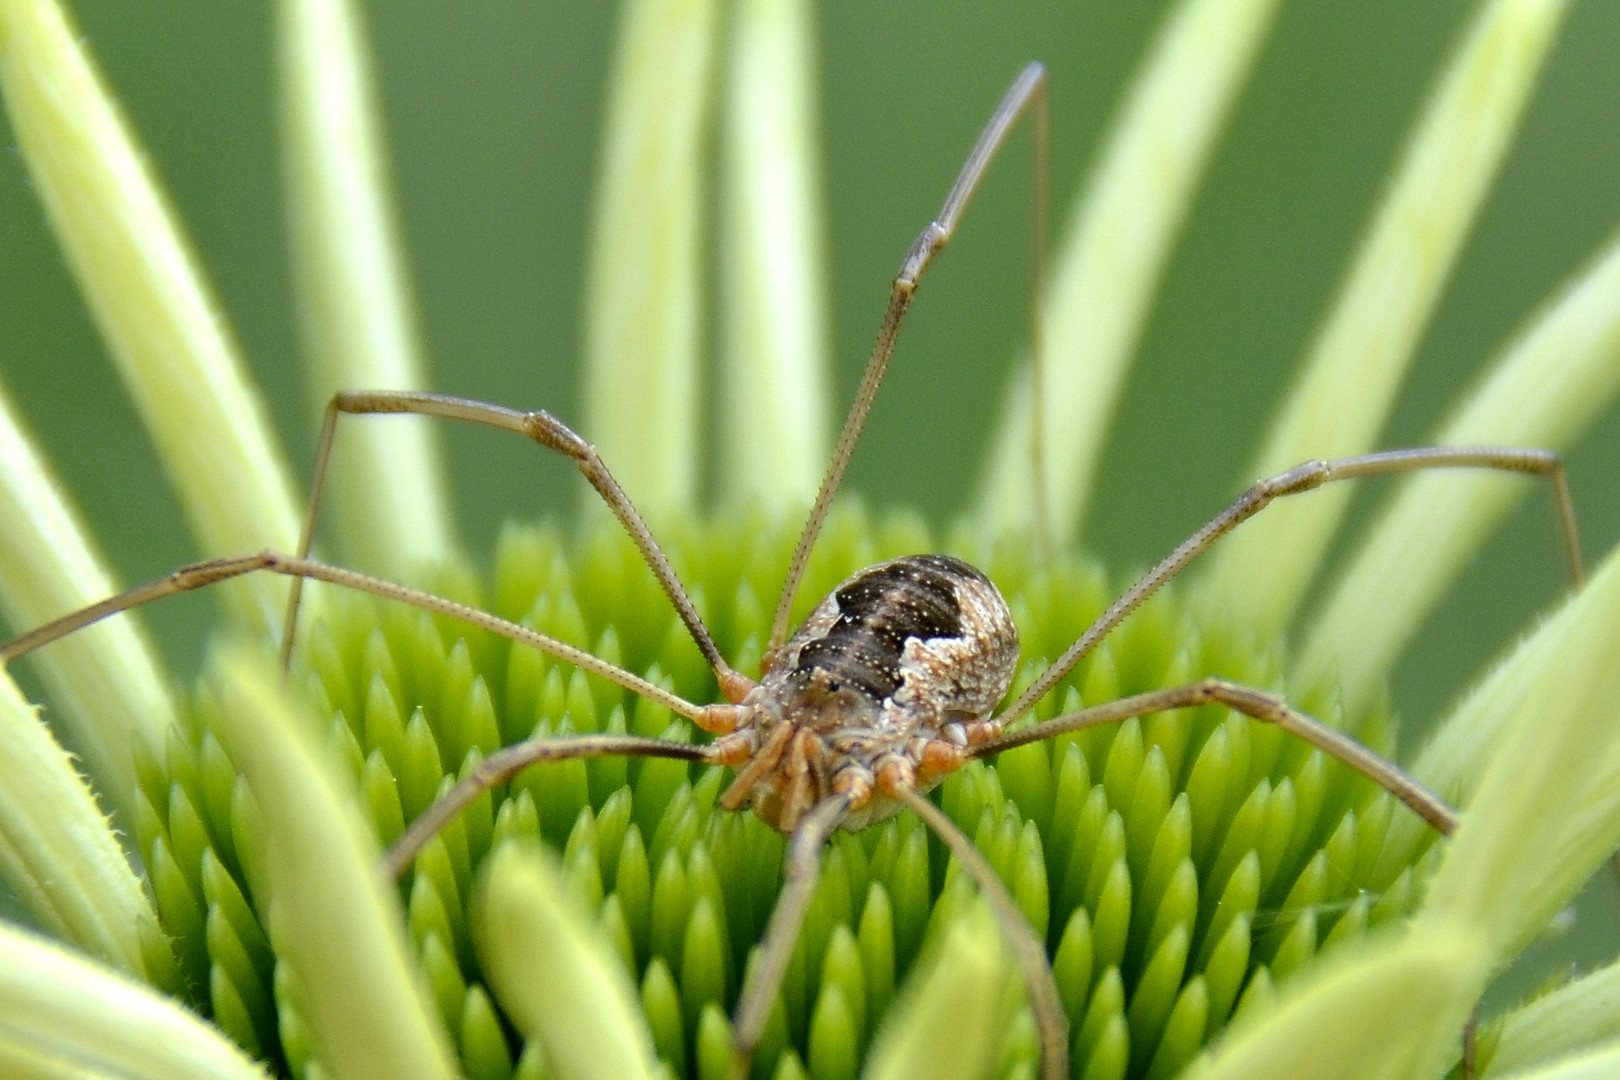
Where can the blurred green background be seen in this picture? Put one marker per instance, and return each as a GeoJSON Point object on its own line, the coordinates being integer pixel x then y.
{"type": "Point", "coordinates": [493, 115]}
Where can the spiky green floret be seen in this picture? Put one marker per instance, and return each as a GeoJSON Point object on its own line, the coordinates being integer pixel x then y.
{"type": "Point", "coordinates": [1177, 866]}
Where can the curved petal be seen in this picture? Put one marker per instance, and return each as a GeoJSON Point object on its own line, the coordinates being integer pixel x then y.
{"type": "Point", "coordinates": [774, 355]}
{"type": "Point", "coordinates": [1361, 353]}
{"type": "Point", "coordinates": [1546, 811]}
{"type": "Point", "coordinates": [331, 917]}
{"type": "Point", "coordinates": [1599, 1064]}
{"type": "Point", "coordinates": [555, 971]}
{"type": "Point", "coordinates": [162, 326]}
{"type": "Point", "coordinates": [945, 1024]}
{"type": "Point", "coordinates": [1549, 385]}
{"type": "Point", "coordinates": [1579, 1014]}
{"type": "Point", "coordinates": [1117, 244]}
{"type": "Point", "coordinates": [60, 855]}
{"type": "Point", "coordinates": [359, 329]}
{"type": "Point", "coordinates": [61, 1011]}
{"type": "Point", "coordinates": [643, 295]}
{"type": "Point", "coordinates": [1393, 1008]}
{"type": "Point", "coordinates": [105, 678]}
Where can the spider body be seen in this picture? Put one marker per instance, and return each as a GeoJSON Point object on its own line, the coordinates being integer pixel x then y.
{"type": "Point", "coordinates": [891, 675]}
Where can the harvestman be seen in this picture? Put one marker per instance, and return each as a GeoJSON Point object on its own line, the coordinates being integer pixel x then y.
{"type": "Point", "coordinates": [890, 684]}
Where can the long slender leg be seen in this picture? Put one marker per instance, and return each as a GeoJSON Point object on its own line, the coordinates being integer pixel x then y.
{"type": "Point", "coordinates": [1255, 703]}
{"type": "Point", "coordinates": [1029, 88]}
{"type": "Point", "coordinates": [715, 718]}
{"type": "Point", "coordinates": [1301, 478]}
{"type": "Point", "coordinates": [506, 763]}
{"type": "Point", "coordinates": [549, 432]}
{"type": "Point", "coordinates": [1050, 1020]}
{"type": "Point", "coordinates": [765, 977]}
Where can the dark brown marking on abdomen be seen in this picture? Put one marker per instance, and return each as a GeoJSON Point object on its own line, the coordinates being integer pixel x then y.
{"type": "Point", "coordinates": [878, 611]}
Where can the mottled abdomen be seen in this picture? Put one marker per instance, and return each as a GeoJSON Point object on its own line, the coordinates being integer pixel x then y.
{"type": "Point", "coordinates": [900, 649]}
{"type": "Point", "coordinates": [901, 654]}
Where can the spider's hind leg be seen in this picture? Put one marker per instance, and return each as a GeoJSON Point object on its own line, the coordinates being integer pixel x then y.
{"type": "Point", "coordinates": [764, 978]}
{"type": "Point", "coordinates": [1051, 1022]}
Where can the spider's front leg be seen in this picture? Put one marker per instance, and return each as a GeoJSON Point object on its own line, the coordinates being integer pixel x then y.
{"type": "Point", "coordinates": [1302, 478]}
{"type": "Point", "coordinates": [548, 431]}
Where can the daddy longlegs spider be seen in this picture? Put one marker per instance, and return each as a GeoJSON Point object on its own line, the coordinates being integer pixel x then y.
{"type": "Point", "coordinates": [890, 684]}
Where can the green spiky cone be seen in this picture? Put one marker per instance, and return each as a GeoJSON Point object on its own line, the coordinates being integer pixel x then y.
{"type": "Point", "coordinates": [1175, 866]}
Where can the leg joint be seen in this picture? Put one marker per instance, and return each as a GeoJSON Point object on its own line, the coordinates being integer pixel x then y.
{"type": "Point", "coordinates": [552, 433]}
{"type": "Point", "coordinates": [1302, 477]}
{"type": "Point", "coordinates": [1259, 704]}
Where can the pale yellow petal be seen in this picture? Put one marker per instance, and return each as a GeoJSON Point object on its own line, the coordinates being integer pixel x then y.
{"type": "Point", "coordinates": [1394, 1007]}
{"type": "Point", "coordinates": [330, 915]}
{"type": "Point", "coordinates": [1114, 250]}
{"type": "Point", "coordinates": [1548, 386]}
{"type": "Point", "coordinates": [1546, 810]}
{"type": "Point", "coordinates": [1582, 1013]}
{"type": "Point", "coordinates": [349, 271]}
{"type": "Point", "coordinates": [105, 679]}
{"type": "Point", "coordinates": [774, 355]}
{"type": "Point", "coordinates": [1602, 1063]}
{"type": "Point", "coordinates": [644, 288]}
{"type": "Point", "coordinates": [161, 324]}
{"type": "Point", "coordinates": [555, 973]}
{"type": "Point", "coordinates": [61, 1015]}
{"type": "Point", "coordinates": [1454, 761]}
{"type": "Point", "coordinates": [1360, 355]}
{"type": "Point", "coordinates": [945, 1024]}
{"type": "Point", "coordinates": [59, 854]}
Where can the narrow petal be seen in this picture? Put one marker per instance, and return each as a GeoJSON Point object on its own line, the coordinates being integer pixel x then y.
{"type": "Point", "coordinates": [555, 972]}
{"type": "Point", "coordinates": [1114, 251]}
{"type": "Point", "coordinates": [945, 1024]}
{"type": "Point", "coordinates": [105, 678]}
{"type": "Point", "coordinates": [161, 324]}
{"type": "Point", "coordinates": [1546, 811]}
{"type": "Point", "coordinates": [774, 335]}
{"type": "Point", "coordinates": [643, 292]}
{"type": "Point", "coordinates": [1393, 1008]}
{"type": "Point", "coordinates": [59, 854]}
{"type": "Point", "coordinates": [1547, 388]}
{"type": "Point", "coordinates": [1579, 1014]}
{"type": "Point", "coordinates": [1600, 1064]}
{"type": "Point", "coordinates": [1453, 762]}
{"type": "Point", "coordinates": [1361, 352]}
{"type": "Point", "coordinates": [331, 917]}
{"type": "Point", "coordinates": [359, 328]}
{"type": "Point", "coordinates": [62, 1011]}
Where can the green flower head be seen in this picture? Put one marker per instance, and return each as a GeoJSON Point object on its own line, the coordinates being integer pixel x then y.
{"type": "Point", "coordinates": [196, 885]}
